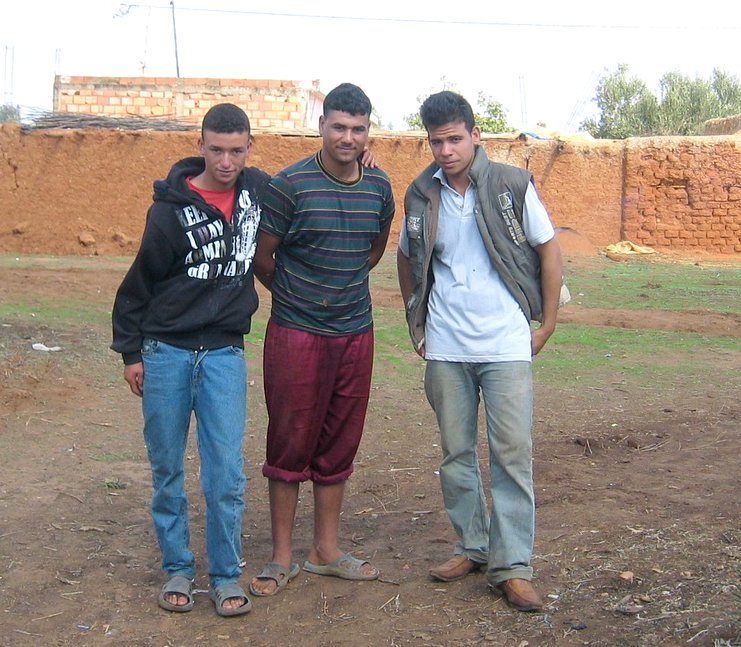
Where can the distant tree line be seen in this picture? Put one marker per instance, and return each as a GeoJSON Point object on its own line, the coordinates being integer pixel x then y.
{"type": "Point", "coordinates": [9, 113]}
{"type": "Point", "coordinates": [627, 108]}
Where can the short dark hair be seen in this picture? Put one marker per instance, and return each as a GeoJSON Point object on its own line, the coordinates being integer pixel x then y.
{"type": "Point", "coordinates": [348, 98]}
{"type": "Point", "coordinates": [225, 118]}
{"type": "Point", "coordinates": [446, 107]}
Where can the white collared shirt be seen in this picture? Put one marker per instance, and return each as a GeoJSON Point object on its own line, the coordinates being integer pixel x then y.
{"type": "Point", "coordinates": [472, 316]}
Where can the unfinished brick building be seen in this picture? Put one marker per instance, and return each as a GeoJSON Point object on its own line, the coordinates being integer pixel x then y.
{"type": "Point", "coordinates": [271, 104]}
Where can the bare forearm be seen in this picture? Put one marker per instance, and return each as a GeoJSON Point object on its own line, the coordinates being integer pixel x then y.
{"type": "Point", "coordinates": [551, 272]}
{"type": "Point", "coordinates": [264, 261]}
{"type": "Point", "coordinates": [264, 271]}
{"type": "Point", "coordinates": [551, 275]}
{"type": "Point", "coordinates": [378, 247]}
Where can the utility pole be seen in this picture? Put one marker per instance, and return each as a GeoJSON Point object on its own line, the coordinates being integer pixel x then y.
{"type": "Point", "coordinates": [523, 109]}
{"type": "Point", "coordinates": [175, 38]}
{"type": "Point", "coordinates": [8, 75]}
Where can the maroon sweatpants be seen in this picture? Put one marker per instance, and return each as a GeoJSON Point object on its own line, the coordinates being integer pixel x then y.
{"type": "Point", "coordinates": [316, 391]}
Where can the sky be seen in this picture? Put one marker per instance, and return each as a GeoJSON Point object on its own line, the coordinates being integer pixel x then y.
{"type": "Point", "coordinates": [541, 59]}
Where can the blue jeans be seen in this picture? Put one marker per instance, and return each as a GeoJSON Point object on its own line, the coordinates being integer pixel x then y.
{"type": "Point", "coordinates": [504, 539]}
{"type": "Point", "coordinates": [213, 385]}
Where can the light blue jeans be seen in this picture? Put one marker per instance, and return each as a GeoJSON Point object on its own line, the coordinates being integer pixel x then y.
{"type": "Point", "coordinates": [211, 384]}
{"type": "Point", "coordinates": [504, 538]}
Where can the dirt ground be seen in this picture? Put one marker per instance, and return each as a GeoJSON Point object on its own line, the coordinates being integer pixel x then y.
{"type": "Point", "coordinates": [638, 539]}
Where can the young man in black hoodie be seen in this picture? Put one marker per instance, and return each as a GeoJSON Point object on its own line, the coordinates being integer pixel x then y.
{"type": "Point", "coordinates": [179, 321]}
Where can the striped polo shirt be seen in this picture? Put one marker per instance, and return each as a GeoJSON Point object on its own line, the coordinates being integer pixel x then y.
{"type": "Point", "coordinates": [327, 226]}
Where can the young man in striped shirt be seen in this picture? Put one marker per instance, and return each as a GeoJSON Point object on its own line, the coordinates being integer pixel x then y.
{"type": "Point", "coordinates": [325, 223]}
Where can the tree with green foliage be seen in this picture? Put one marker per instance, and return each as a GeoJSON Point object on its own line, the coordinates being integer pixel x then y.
{"type": "Point", "coordinates": [629, 109]}
{"type": "Point", "coordinates": [9, 113]}
{"type": "Point", "coordinates": [493, 116]}
{"type": "Point", "coordinates": [414, 121]}
{"type": "Point", "coordinates": [687, 103]}
{"type": "Point", "coordinates": [490, 118]}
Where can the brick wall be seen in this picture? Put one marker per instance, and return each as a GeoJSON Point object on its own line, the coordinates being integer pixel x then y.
{"type": "Point", "coordinates": [682, 194]}
{"type": "Point", "coordinates": [270, 104]}
{"type": "Point", "coordinates": [580, 183]}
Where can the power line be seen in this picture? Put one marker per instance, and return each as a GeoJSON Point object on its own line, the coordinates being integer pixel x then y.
{"type": "Point", "coordinates": [125, 8]}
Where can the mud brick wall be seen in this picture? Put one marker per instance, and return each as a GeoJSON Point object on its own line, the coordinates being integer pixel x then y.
{"type": "Point", "coordinates": [86, 191]}
{"type": "Point", "coordinates": [683, 193]}
{"type": "Point", "coordinates": [580, 184]}
{"type": "Point", "coordinates": [269, 103]}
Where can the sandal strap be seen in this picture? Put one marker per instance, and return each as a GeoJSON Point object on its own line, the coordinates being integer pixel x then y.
{"type": "Point", "coordinates": [274, 571]}
{"type": "Point", "coordinates": [229, 590]}
{"type": "Point", "coordinates": [180, 585]}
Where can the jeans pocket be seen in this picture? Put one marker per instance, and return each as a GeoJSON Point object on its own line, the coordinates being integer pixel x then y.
{"type": "Point", "coordinates": [237, 350]}
{"type": "Point", "coordinates": [149, 346]}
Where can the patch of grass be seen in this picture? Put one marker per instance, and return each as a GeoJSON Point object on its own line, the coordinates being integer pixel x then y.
{"type": "Point", "coordinates": [118, 457]}
{"type": "Point", "coordinates": [575, 351]}
{"type": "Point", "coordinates": [653, 285]}
{"type": "Point", "coordinates": [253, 340]}
{"type": "Point", "coordinates": [383, 276]}
{"type": "Point", "coordinates": [91, 263]}
{"type": "Point", "coordinates": [640, 283]}
{"type": "Point", "coordinates": [392, 344]}
{"type": "Point", "coordinates": [115, 483]}
{"type": "Point", "coordinates": [35, 309]}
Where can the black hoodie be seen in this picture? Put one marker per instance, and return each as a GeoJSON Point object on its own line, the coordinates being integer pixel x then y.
{"type": "Point", "coordinates": [192, 283]}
